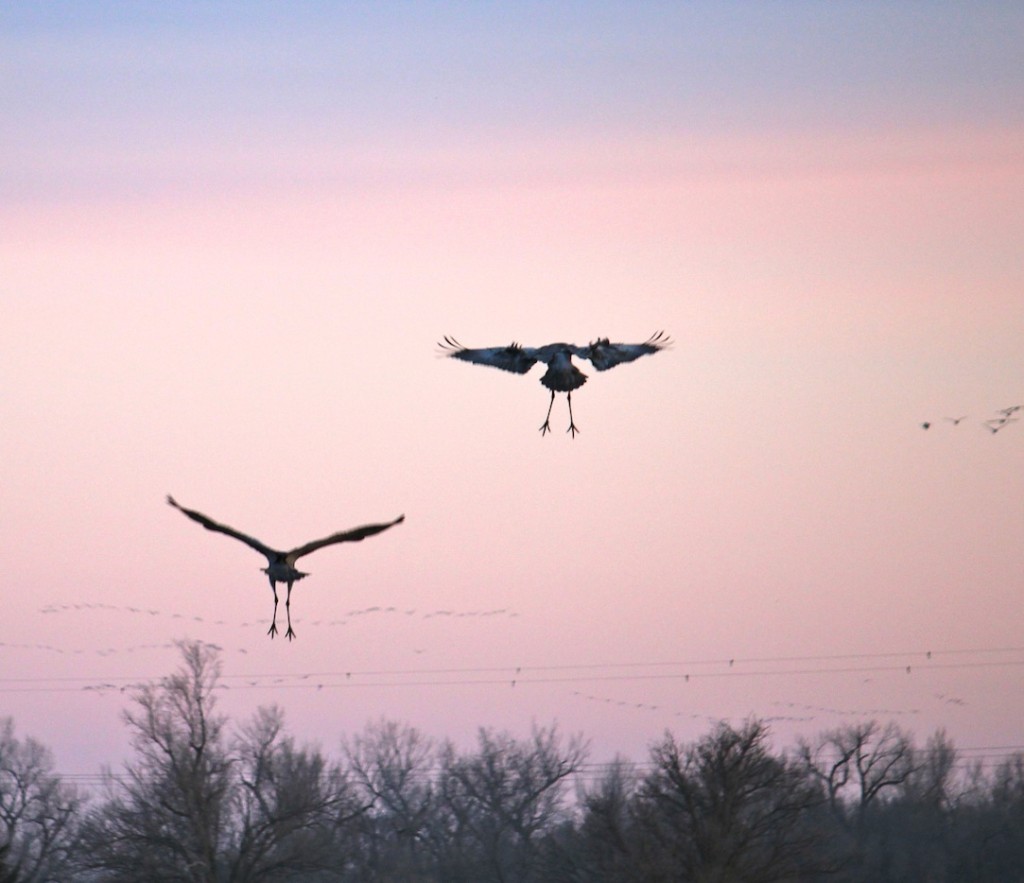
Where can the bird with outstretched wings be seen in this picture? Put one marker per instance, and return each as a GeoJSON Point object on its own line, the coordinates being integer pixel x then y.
{"type": "Point", "coordinates": [281, 564]}
{"type": "Point", "coordinates": [561, 375]}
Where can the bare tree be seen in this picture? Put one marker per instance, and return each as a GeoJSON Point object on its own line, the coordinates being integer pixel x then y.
{"type": "Point", "coordinates": [864, 769]}
{"type": "Point", "coordinates": [164, 817]}
{"type": "Point", "coordinates": [997, 831]}
{"type": "Point", "coordinates": [859, 765]}
{"type": "Point", "coordinates": [725, 809]}
{"type": "Point", "coordinates": [932, 781]}
{"type": "Point", "coordinates": [392, 766]}
{"type": "Point", "coordinates": [38, 812]}
{"type": "Point", "coordinates": [494, 802]}
{"type": "Point", "coordinates": [291, 809]}
{"type": "Point", "coordinates": [918, 821]}
{"type": "Point", "coordinates": [601, 845]}
{"type": "Point", "coordinates": [197, 806]}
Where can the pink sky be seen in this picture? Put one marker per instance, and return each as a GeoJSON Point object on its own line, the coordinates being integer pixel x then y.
{"type": "Point", "coordinates": [252, 328]}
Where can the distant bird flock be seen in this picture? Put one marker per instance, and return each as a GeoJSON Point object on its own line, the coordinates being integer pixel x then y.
{"type": "Point", "coordinates": [1004, 417]}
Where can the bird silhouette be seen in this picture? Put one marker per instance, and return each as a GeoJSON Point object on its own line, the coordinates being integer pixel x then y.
{"type": "Point", "coordinates": [562, 375]}
{"type": "Point", "coordinates": [956, 420]}
{"type": "Point", "coordinates": [281, 565]}
{"type": "Point", "coordinates": [998, 423]}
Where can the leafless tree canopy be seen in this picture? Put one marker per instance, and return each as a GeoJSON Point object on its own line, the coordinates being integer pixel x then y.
{"type": "Point", "coordinates": [37, 811]}
{"type": "Point", "coordinates": [726, 809]}
{"type": "Point", "coordinates": [204, 799]}
{"type": "Point", "coordinates": [198, 805]}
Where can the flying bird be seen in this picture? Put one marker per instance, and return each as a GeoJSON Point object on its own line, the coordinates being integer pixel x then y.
{"type": "Point", "coordinates": [562, 375]}
{"type": "Point", "coordinates": [957, 420]}
{"type": "Point", "coordinates": [997, 423]}
{"type": "Point", "coordinates": [281, 565]}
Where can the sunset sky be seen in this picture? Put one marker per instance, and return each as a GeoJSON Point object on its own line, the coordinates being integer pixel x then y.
{"type": "Point", "coordinates": [231, 235]}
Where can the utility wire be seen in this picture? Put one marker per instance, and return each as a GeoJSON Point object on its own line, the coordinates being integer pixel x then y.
{"type": "Point", "coordinates": [921, 659]}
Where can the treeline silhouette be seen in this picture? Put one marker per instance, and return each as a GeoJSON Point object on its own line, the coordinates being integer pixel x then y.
{"type": "Point", "coordinates": [204, 800]}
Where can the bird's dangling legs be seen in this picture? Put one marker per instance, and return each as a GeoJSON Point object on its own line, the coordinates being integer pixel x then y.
{"type": "Point", "coordinates": [572, 426]}
{"type": "Point", "coordinates": [273, 623]}
{"type": "Point", "coordinates": [546, 428]}
{"type": "Point", "coordinates": [290, 634]}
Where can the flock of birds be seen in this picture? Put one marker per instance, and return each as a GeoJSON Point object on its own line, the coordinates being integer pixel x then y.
{"type": "Point", "coordinates": [798, 712]}
{"type": "Point", "coordinates": [1004, 417]}
{"type": "Point", "coordinates": [561, 376]}
{"type": "Point", "coordinates": [340, 620]}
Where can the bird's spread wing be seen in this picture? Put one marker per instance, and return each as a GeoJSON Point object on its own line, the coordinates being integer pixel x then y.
{"type": "Point", "coordinates": [210, 524]}
{"type": "Point", "coordinates": [604, 354]}
{"type": "Point", "coordinates": [345, 536]}
{"type": "Point", "coordinates": [509, 358]}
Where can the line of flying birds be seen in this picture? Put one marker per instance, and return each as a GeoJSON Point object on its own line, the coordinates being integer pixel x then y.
{"type": "Point", "coordinates": [994, 424]}
{"type": "Point", "coordinates": [561, 376]}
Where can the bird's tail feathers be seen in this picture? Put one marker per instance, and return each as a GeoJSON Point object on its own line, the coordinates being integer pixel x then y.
{"type": "Point", "coordinates": [560, 380]}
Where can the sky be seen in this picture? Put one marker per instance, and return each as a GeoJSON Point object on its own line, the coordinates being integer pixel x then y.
{"type": "Point", "coordinates": [231, 236]}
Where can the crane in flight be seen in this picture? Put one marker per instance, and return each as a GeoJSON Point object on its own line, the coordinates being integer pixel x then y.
{"type": "Point", "coordinates": [562, 375]}
{"type": "Point", "coordinates": [281, 565]}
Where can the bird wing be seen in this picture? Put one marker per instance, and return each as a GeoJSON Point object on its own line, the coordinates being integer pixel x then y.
{"type": "Point", "coordinates": [345, 536]}
{"type": "Point", "coordinates": [509, 358]}
{"type": "Point", "coordinates": [604, 354]}
{"type": "Point", "coordinates": [210, 524]}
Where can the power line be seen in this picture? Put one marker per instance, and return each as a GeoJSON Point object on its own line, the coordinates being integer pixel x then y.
{"type": "Point", "coordinates": [922, 659]}
{"type": "Point", "coordinates": [513, 677]}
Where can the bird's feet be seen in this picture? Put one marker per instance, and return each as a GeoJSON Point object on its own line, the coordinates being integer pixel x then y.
{"type": "Point", "coordinates": [546, 428]}
{"type": "Point", "coordinates": [290, 634]}
{"type": "Point", "coordinates": [573, 429]}
{"type": "Point", "coordinates": [272, 630]}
